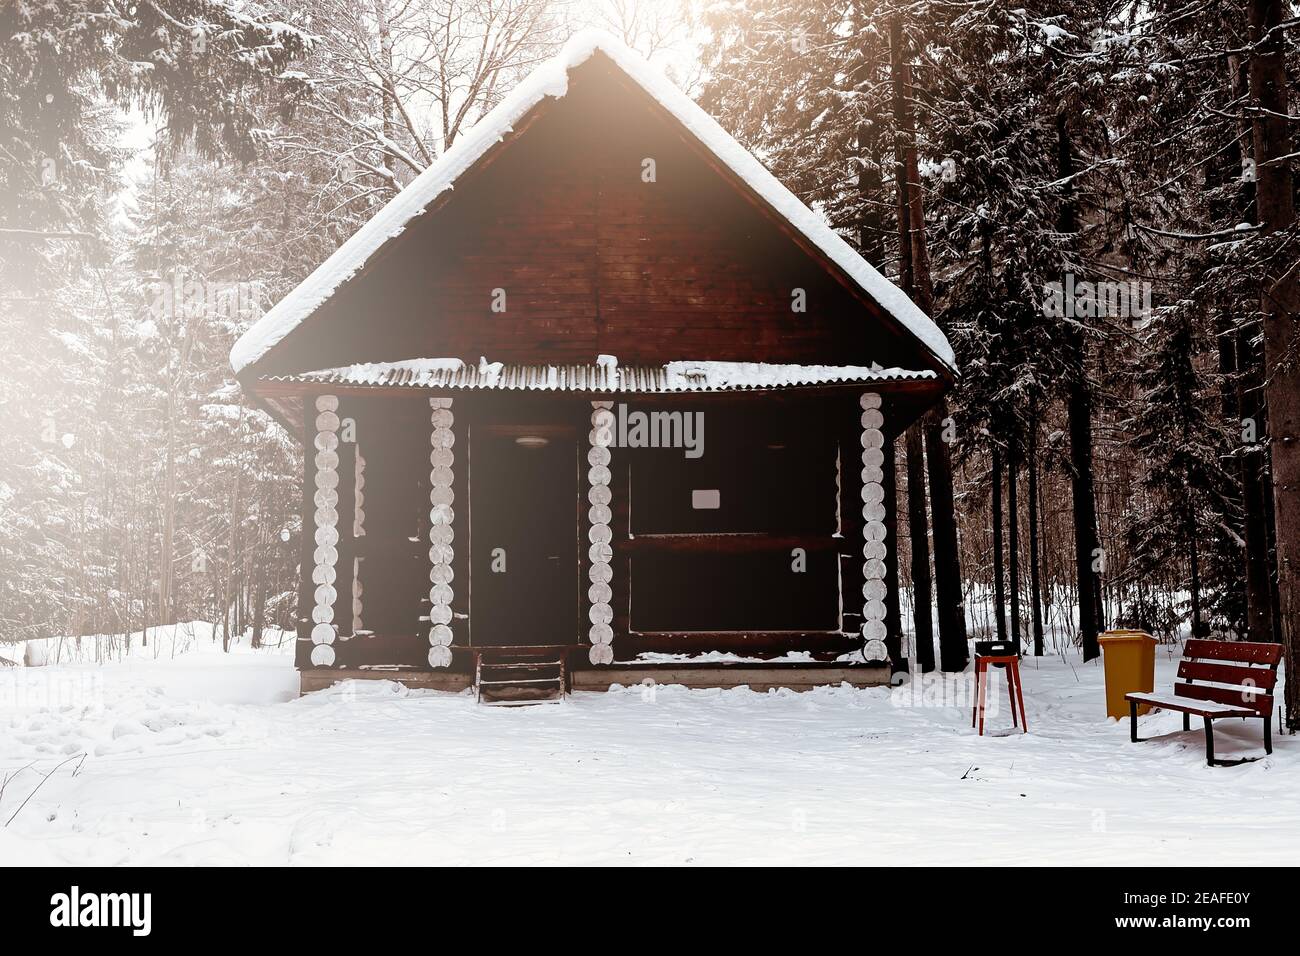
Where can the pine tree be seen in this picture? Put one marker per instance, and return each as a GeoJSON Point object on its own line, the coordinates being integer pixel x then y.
{"type": "Point", "coordinates": [1177, 433]}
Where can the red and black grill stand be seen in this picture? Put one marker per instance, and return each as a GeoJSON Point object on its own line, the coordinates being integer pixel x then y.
{"type": "Point", "coordinates": [1004, 655]}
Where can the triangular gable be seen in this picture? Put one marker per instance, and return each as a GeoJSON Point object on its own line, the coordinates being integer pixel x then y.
{"type": "Point", "coordinates": [551, 81]}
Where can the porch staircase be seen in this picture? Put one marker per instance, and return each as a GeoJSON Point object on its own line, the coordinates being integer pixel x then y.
{"type": "Point", "coordinates": [518, 676]}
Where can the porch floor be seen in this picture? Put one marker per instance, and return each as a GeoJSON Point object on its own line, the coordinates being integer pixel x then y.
{"type": "Point", "coordinates": [758, 676]}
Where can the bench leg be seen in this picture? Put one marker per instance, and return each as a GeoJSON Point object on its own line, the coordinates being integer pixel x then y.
{"type": "Point", "coordinates": [983, 689]}
{"type": "Point", "coordinates": [1209, 742]}
{"type": "Point", "coordinates": [1020, 696]}
{"type": "Point", "coordinates": [1187, 721]}
{"type": "Point", "coordinates": [1268, 733]}
{"type": "Point", "coordinates": [1133, 720]}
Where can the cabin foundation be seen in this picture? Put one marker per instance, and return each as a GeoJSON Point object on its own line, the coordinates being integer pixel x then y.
{"type": "Point", "coordinates": [759, 676]}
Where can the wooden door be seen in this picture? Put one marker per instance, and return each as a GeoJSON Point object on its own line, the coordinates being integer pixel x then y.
{"type": "Point", "coordinates": [523, 536]}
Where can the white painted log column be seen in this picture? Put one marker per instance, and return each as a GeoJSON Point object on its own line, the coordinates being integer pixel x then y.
{"type": "Point", "coordinates": [873, 530]}
{"type": "Point", "coordinates": [326, 555]}
{"type": "Point", "coordinates": [440, 531]}
{"type": "Point", "coordinates": [358, 531]}
{"type": "Point", "coordinates": [601, 573]}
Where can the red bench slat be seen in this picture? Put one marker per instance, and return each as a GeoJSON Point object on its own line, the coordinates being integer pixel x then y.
{"type": "Point", "coordinates": [1263, 678]}
{"type": "Point", "coordinates": [1243, 652]}
{"type": "Point", "coordinates": [1184, 705]}
{"type": "Point", "coordinates": [1261, 703]}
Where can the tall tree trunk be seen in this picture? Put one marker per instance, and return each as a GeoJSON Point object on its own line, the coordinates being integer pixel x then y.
{"type": "Point", "coordinates": [166, 567]}
{"type": "Point", "coordinates": [167, 571]}
{"type": "Point", "coordinates": [999, 587]}
{"type": "Point", "coordinates": [1013, 547]}
{"type": "Point", "coordinates": [953, 651]}
{"type": "Point", "coordinates": [919, 533]}
{"type": "Point", "coordinates": [1261, 603]}
{"type": "Point", "coordinates": [388, 105]}
{"type": "Point", "coordinates": [1035, 585]}
{"type": "Point", "coordinates": [872, 228]}
{"type": "Point", "coordinates": [234, 563]}
{"type": "Point", "coordinates": [918, 529]}
{"type": "Point", "coordinates": [1270, 537]}
{"type": "Point", "coordinates": [902, 201]}
{"type": "Point", "coordinates": [1280, 301]}
{"type": "Point", "coordinates": [258, 584]}
{"type": "Point", "coordinates": [1194, 560]}
{"type": "Point", "coordinates": [1230, 408]}
{"type": "Point", "coordinates": [1088, 559]}
{"type": "Point", "coordinates": [218, 607]}
{"type": "Point", "coordinates": [1250, 414]}
{"type": "Point", "coordinates": [947, 556]}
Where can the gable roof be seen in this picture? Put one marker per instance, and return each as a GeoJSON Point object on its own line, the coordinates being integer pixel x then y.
{"type": "Point", "coordinates": [551, 80]}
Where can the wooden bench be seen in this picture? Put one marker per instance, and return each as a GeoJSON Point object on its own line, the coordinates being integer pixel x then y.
{"type": "Point", "coordinates": [1219, 679]}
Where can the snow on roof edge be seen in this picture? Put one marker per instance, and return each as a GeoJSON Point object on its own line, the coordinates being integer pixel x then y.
{"type": "Point", "coordinates": [551, 79]}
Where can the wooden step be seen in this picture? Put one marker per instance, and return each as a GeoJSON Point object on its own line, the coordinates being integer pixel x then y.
{"type": "Point", "coordinates": [520, 703]}
{"type": "Point", "coordinates": [515, 676]}
{"type": "Point", "coordinates": [520, 692]}
{"type": "Point", "coordinates": [552, 670]}
{"type": "Point", "coordinates": [526, 650]}
{"type": "Point", "coordinates": [498, 657]}
{"type": "Point", "coordinates": [517, 682]}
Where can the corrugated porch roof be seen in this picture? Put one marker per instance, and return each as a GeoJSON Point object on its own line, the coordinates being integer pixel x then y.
{"type": "Point", "coordinates": [684, 376]}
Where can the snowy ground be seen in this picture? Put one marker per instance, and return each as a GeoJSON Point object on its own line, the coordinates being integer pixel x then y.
{"type": "Point", "coordinates": [210, 758]}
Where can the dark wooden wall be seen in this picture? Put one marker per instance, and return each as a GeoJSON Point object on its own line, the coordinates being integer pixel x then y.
{"type": "Point", "coordinates": [594, 260]}
{"type": "Point", "coordinates": [693, 582]}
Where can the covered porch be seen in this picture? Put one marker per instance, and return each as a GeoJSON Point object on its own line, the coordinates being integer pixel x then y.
{"type": "Point", "coordinates": [701, 523]}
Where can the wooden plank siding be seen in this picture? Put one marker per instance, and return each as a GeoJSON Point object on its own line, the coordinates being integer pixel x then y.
{"type": "Point", "coordinates": [593, 260]}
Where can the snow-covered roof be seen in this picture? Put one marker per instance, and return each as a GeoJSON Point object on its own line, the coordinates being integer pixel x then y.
{"type": "Point", "coordinates": [551, 80]}
{"type": "Point", "coordinates": [606, 375]}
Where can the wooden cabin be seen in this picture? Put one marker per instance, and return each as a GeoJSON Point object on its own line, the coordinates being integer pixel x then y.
{"type": "Point", "coordinates": [595, 400]}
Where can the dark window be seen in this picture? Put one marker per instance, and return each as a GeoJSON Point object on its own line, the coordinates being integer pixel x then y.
{"type": "Point", "coordinates": [750, 591]}
{"type": "Point", "coordinates": [762, 469]}
{"type": "Point", "coordinates": [767, 469]}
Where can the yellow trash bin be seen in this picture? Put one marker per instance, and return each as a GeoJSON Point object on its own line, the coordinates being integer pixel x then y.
{"type": "Point", "coordinates": [1130, 661]}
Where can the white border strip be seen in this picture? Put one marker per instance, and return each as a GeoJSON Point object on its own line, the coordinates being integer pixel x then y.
{"type": "Point", "coordinates": [873, 530]}
{"type": "Point", "coordinates": [441, 459]}
{"type": "Point", "coordinates": [601, 552]}
{"type": "Point", "coordinates": [326, 555]}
